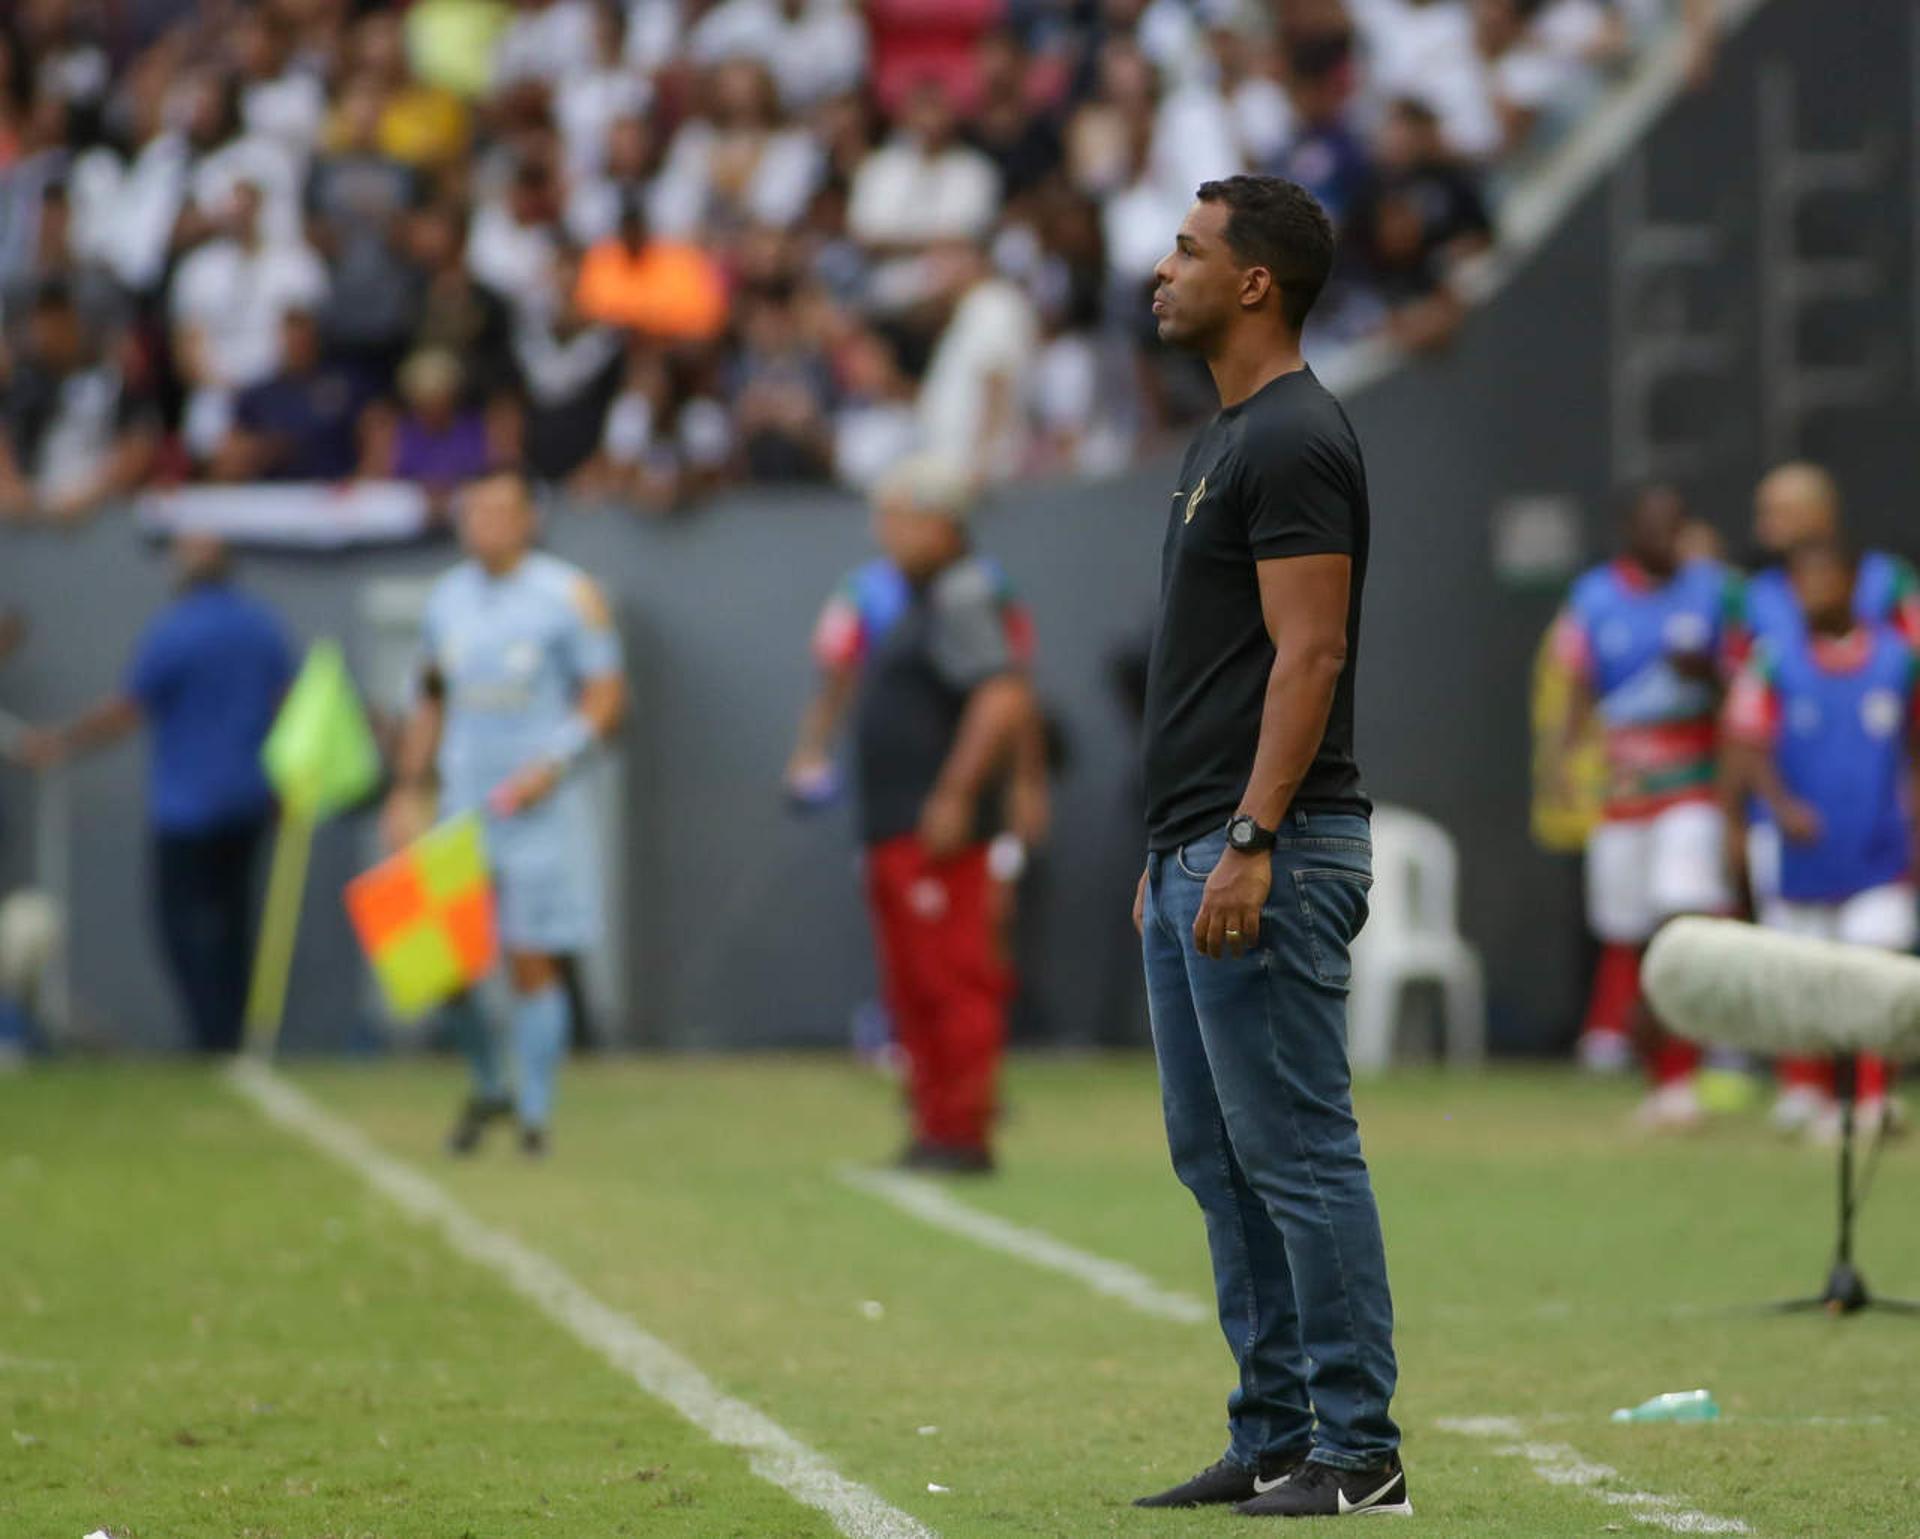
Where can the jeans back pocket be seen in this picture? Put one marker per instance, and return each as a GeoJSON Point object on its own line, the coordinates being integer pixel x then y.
{"type": "Point", "coordinates": [1333, 907]}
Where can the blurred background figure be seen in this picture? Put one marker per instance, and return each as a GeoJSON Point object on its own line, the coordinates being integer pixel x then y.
{"type": "Point", "coordinates": [520, 678]}
{"type": "Point", "coordinates": [206, 680]}
{"type": "Point", "coordinates": [79, 430]}
{"type": "Point", "coordinates": [1821, 734]}
{"type": "Point", "coordinates": [1646, 639]}
{"type": "Point", "coordinates": [928, 650]}
{"type": "Point", "coordinates": [1799, 505]}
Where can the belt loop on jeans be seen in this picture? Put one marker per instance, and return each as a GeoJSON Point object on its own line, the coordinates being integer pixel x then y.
{"type": "Point", "coordinates": [1299, 817]}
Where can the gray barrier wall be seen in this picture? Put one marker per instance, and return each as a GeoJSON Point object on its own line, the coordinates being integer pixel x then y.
{"type": "Point", "coordinates": [745, 925]}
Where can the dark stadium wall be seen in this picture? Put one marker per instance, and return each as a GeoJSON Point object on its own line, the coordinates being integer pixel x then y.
{"type": "Point", "coordinates": [745, 926]}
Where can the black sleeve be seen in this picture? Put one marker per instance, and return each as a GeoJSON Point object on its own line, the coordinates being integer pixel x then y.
{"type": "Point", "coordinates": [1298, 490]}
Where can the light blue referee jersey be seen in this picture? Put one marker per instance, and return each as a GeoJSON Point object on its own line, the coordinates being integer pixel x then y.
{"type": "Point", "coordinates": [512, 653]}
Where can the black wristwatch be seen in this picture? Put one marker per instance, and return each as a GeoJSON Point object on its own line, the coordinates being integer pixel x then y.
{"type": "Point", "coordinates": [1247, 836]}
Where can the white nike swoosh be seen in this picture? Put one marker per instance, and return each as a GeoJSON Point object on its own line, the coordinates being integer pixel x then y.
{"type": "Point", "coordinates": [1365, 1502]}
{"type": "Point", "coordinates": [1262, 1487]}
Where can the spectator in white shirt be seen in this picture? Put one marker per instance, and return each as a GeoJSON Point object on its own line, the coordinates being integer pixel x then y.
{"type": "Point", "coordinates": [653, 34]}
{"type": "Point", "coordinates": [593, 102]}
{"type": "Point", "coordinates": [278, 101]}
{"type": "Point", "coordinates": [971, 410]}
{"type": "Point", "coordinates": [876, 425]}
{"type": "Point", "coordinates": [736, 163]}
{"type": "Point", "coordinates": [222, 156]}
{"type": "Point", "coordinates": [1532, 82]}
{"type": "Point", "coordinates": [549, 42]}
{"type": "Point", "coordinates": [629, 160]}
{"type": "Point", "coordinates": [923, 185]}
{"type": "Point", "coordinates": [1425, 50]}
{"type": "Point", "coordinates": [228, 299]}
{"type": "Point", "coordinates": [512, 245]}
{"type": "Point", "coordinates": [1262, 116]}
{"type": "Point", "coordinates": [815, 48]}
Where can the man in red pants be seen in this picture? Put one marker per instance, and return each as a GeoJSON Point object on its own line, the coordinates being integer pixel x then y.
{"type": "Point", "coordinates": [944, 711]}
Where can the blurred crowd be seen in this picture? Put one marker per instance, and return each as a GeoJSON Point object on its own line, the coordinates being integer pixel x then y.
{"type": "Point", "coordinates": [641, 249]}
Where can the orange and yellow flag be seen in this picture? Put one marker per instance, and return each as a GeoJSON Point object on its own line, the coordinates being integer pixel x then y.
{"type": "Point", "coordinates": [425, 917]}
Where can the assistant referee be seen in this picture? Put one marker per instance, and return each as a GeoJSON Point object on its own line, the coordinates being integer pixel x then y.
{"type": "Point", "coordinates": [1259, 859]}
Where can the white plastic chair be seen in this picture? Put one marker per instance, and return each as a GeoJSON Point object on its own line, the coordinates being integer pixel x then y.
{"type": "Point", "coordinates": [1412, 936]}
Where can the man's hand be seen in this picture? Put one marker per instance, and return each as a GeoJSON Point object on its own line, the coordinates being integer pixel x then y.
{"type": "Point", "coordinates": [1229, 920]}
{"type": "Point", "coordinates": [407, 815]}
{"type": "Point", "coordinates": [1799, 822]}
{"type": "Point", "coordinates": [1029, 810]}
{"type": "Point", "coordinates": [1140, 906]}
{"type": "Point", "coordinates": [947, 822]}
{"type": "Point", "coordinates": [526, 788]}
{"type": "Point", "coordinates": [810, 780]}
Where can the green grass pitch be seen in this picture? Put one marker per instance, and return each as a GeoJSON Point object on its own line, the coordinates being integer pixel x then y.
{"type": "Point", "coordinates": [206, 1328]}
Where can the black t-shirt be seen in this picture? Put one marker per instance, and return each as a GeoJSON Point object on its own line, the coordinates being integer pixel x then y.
{"type": "Point", "coordinates": [914, 688]}
{"type": "Point", "coordinates": [1277, 476]}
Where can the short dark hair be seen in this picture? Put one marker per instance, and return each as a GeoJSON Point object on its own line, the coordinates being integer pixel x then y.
{"type": "Point", "coordinates": [1278, 225]}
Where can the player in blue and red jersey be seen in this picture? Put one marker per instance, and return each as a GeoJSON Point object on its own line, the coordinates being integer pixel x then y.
{"type": "Point", "coordinates": [1821, 729]}
{"type": "Point", "coordinates": [1649, 638]}
{"type": "Point", "coordinates": [1796, 504]}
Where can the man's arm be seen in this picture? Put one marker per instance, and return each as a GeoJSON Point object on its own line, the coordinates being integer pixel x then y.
{"type": "Point", "coordinates": [409, 810]}
{"type": "Point", "coordinates": [1029, 801]}
{"type": "Point", "coordinates": [599, 705]}
{"type": "Point", "coordinates": [812, 757]}
{"type": "Point", "coordinates": [1303, 600]}
{"type": "Point", "coordinates": [112, 719]}
{"type": "Point", "coordinates": [1752, 768]}
{"type": "Point", "coordinates": [1750, 727]}
{"type": "Point", "coordinates": [998, 712]}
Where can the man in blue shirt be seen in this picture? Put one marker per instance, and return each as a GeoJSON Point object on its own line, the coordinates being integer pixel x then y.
{"type": "Point", "coordinates": [207, 677]}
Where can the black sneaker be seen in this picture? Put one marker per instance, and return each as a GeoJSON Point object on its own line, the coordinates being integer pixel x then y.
{"type": "Point", "coordinates": [474, 1117]}
{"type": "Point", "coordinates": [1222, 1484]}
{"type": "Point", "coordinates": [947, 1159]}
{"type": "Point", "coordinates": [533, 1143]}
{"type": "Point", "coordinates": [1320, 1491]}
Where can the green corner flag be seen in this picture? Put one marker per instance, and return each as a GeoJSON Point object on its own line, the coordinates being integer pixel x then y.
{"type": "Point", "coordinates": [321, 758]}
{"type": "Point", "coordinates": [320, 754]}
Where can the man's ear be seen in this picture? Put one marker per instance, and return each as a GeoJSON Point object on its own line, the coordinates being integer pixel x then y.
{"type": "Point", "coordinates": [1255, 284]}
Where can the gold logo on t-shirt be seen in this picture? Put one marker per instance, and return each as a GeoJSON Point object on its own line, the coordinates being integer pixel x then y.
{"type": "Point", "coordinates": [1193, 502]}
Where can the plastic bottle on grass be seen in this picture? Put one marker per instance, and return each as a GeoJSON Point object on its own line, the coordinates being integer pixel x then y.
{"type": "Point", "coordinates": [1680, 1405]}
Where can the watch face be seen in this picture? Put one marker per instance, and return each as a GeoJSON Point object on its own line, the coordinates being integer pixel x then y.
{"type": "Point", "coordinates": [1240, 833]}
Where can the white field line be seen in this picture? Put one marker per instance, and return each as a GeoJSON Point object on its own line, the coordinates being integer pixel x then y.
{"type": "Point", "coordinates": [773, 1453]}
{"type": "Point", "coordinates": [932, 1204]}
{"type": "Point", "coordinates": [1559, 1465]}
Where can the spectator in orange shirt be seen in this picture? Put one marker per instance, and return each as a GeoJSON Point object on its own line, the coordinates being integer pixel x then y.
{"type": "Point", "coordinates": [666, 289]}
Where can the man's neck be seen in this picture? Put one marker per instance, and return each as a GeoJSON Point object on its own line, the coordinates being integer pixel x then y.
{"type": "Point", "coordinates": [503, 568]}
{"type": "Point", "coordinates": [1248, 364]}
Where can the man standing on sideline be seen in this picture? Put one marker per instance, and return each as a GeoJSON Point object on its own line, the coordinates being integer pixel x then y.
{"type": "Point", "coordinates": [207, 677]}
{"type": "Point", "coordinates": [1259, 860]}
{"type": "Point", "coordinates": [520, 679]}
{"type": "Point", "coordinates": [943, 716]}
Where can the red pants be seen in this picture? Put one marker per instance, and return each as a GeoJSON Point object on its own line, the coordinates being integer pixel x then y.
{"type": "Point", "coordinates": [1873, 1076]}
{"type": "Point", "coordinates": [944, 983]}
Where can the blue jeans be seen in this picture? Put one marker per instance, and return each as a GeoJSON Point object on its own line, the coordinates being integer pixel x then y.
{"type": "Point", "coordinates": [1255, 1086]}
